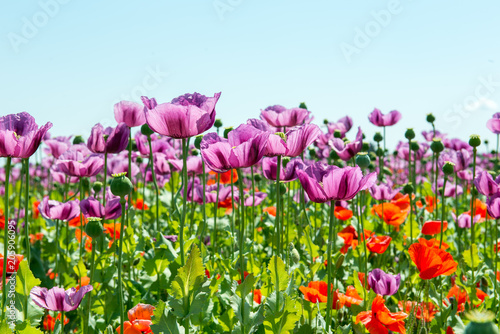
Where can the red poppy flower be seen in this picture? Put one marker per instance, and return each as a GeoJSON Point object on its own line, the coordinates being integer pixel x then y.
{"type": "Point", "coordinates": [342, 213]}
{"type": "Point", "coordinates": [433, 227]}
{"type": "Point", "coordinates": [379, 320]}
{"type": "Point", "coordinates": [429, 204]}
{"type": "Point", "coordinates": [36, 212]}
{"type": "Point", "coordinates": [315, 291]}
{"type": "Point", "coordinates": [433, 243]}
{"type": "Point", "coordinates": [245, 274]}
{"type": "Point", "coordinates": [425, 311]}
{"type": "Point", "coordinates": [35, 237]}
{"type": "Point", "coordinates": [49, 322]}
{"type": "Point", "coordinates": [257, 296]}
{"type": "Point", "coordinates": [139, 320]}
{"type": "Point", "coordinates": [350, 297]}
{"type": "Point", "coordinates": [351, 238]}
{"type": "Point", "coordinates": [225, 178]}
{"type": "Point", "coordinates": [270, 210]}
{"type": "Point", "coordinates": [378, 244]}
{"type": "Point", "coordinates": [12, 264]}
{"type": "Point", "coordinates": [392, 214]}
{"type": "Point", "coordinates": [75, 222]}
{"type": "Point", "coordinates": [140, 205]}
{"type": "Point", "coordinates": [432, 262]}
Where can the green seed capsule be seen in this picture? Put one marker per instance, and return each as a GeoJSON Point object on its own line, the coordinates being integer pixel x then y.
{"type": "Point", "coordinates": [363, 160]}
{"type": "Point", "coordinates": [448, 168]}
{"type": "Point", "coordinates": [94, 227]}
{"type": "Point", "coordinates": [97, 186]}
{"type": "Point", "coordinates": [378, 137]}
{"type": "Point", "coordinates": [303, 105]}
{"type": "Point", "coordinates": [481, 323]}
{"type": "Point", "coordinates": [409, 134]}
{"type": "Point", "coordinates": [437, 145]}
{"type": "Point", "coordinates": [430, 118]}
{"type": "Point", "coordinates": [408, 188]}
{"type": "Point", "coordinates": [146, 130]}
{"type": "Point", "coordinates": [197, 141]}
{"type": "Point", "coordinates": [121, 185]}
{"type": "Point", "coordinates": [227, 130]}
{"type": "Point", "coordinates": [474, 141]}
{"type": "Point", "coordinates": [78, 140]}
{"type": "Point", "coordinates": [218, 123]}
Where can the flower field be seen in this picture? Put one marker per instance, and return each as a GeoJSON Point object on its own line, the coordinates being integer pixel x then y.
{"type": "Point", "coordinates": [170, 222]}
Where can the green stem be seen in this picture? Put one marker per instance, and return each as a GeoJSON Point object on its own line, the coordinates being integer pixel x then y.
{"type": "Point", "coordinates": [474, 152]}
{"type": "Point", "coordinates": [120, 252]}
{"type": "Point", "coordinates": [214, 241]}
{"type": "Point", "coordinates": [232, 215]}
{"type": "Point", "coordinates": [92, 268]}
{"type": "Point", "coordinates": [443, 212]}
{"type": "Point", "coordinates": [329, 302]}
{"type": "Point", "coordinates": [82, 241]}
{"type": "Point", "coordinates": [184, 197]}
{"type": "Point", "coordinates": [203, 210]}
{"type": "Point", "coordinates": [242, 244]}
{"type": "Point", "coordinates": [27, 210]}
{"type": "Point", "coordinates": [153, 175]}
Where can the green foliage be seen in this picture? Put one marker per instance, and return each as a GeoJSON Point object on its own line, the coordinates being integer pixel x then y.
{"type": "Point", "coordinates": [277, 265]}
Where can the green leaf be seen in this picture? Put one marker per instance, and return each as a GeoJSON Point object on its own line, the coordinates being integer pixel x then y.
{"type": "Point", "coordinates": [475, 256]}
{"type": "Point", "coordinates": [277, 265]}
{"type": "Point", "coordinates": [25, 328]}
{"type": "Point", "coordinates": [312, 248]}
{"type": "Point", "coordinates": [162, 323]}
{"type": "Point", "coordinates": [246, 287]}
{"type": "Point", "coordinates": [359, 287]}
{"type": "Point", "coordinates": [80, 269]}
{"type": "Point", "coordinates": [407, 229]}
{"type": "Point", "coordinates": [190, 276]}
{"type": "Point", "coordinates": [25, 280]}
{"type": "Point", "coordinates": [284, 321]}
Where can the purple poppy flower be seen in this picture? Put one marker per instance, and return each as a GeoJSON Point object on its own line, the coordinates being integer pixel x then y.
{"type": "Point", "coordinates": [158, 144]}
{"type": "Point", "coordinates": [280, 117]}
{"type": "Point", "coordinates": [116, 141]}
{"type": "Point", "coordinates": [57, 146]}
{"type": "Point", "coordinates": [383, 192]}
{"type": "Point", "coordinates": [456, 144]}
{"type": "Point", "coordinates": [383, 283]}
{"type": "Point", "coordinates": [287, 174]}
{"type": "Point", "coordinates": [429, 135]}
{"type": "Point", "coordinates": [460, 158]}
{"type": "Point", "coordinates": [493, 205]}
{"type": "Point", "coordinates": [324, 183]}
{"type": "Point", "coordinates": [343, 125]}
{"type": "Point", "coordinates": [248, 197]}
{"type": "Point", "coordinates": [349, 150]}
{"type": "Point", "coordinates": [91, 207]}
{"type": "Point", "coordinates": [78, 162]}
{"type": "Point", "coordinates": [20, 135]}
{"type": "Point", "coordinates": [297, 140]}
{"type": "Point", "coordinates": [485, 184]}
{"type": "Point", "coordinates": [171, 238]}
{"type": "Point", "coordinates": [193, 163]}
{"type": "Point", "coordinates": [130, 113]}
{"type": "Point", "coordinates": [494, 123]}
{"type": "Point", "coordinates": [377, 118]}
{"type": "Point", "coordinates": [50, 209]}
{"type": "Point", "coordinates": [56, 299]}
{"type": "Point", "coordinates": [211, 193]}
{"type": "Point", "coordinates": [186, 116]}
{"type": "Point", "coordinates": [450, 190]}
{"type": "Point", "coordinates": [464, 221]}
{"type": "Point", "coordinates": [238, 151]}
{"type": "Point", "coordinates": [119, 164]}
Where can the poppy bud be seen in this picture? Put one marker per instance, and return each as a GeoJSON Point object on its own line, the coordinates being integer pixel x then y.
{"type": "Point", "coordinates": [146, 130]}
{"type": "Point", "coordinates": [408, 188]}
{"type": "Point", "coordinates": [227, 130]}
{"type": "Point", "coordinates": [365, 147]}
{"type": "Point", "coordinates": [363, 160]}
{"type": "Point", "coordinates": [294, 254]}
{"type": "Point", "coordinates": [121, 185]}
{"type": "Point", "coordinates": [481, 322]}
{"type": "Point", "coordinates": [414, 146]}
{"type": "Point", "coordinates": [378, 137]}
{"type": "Point", "coordinates": [430, 118]}
{"type": "Point", "coordinates": [380, 152]}
{"type": "Point", "coordinates": [474, 141]}
{"type": "Point", "coordinates": [195, 152]}
{"type": "Point", "coordinates": [333, 155]}
{"type": "Point", "coordinates": [94, 227]}
{"type": "Point", "coordinates": [448, 168]}
{"type": "Point", "coordinates": [339, 261]}
{"type": "Point", "coordinates": [325, 121]}
{"type": "Point", "coordinates": [139, 160]}
{"type": "Point", "coordinates": [197, 141]}
{"type": "Point", "coordinates": [78, 140]}
{"type": "Point", "coordinates": [257, 177]}
{"type": "Point", "coordinates": [486, 142]}
{"type": "Point", "coordinates": [437, 145]}
{"type": "Point", "coordinates": [97, 186]}
{"type": "Point", "coordinates": [218, 123]}
{"type": "Point", "coordinates": [337, 134]}
{"type": "Point", "coordinates": [282, 188]}
{"type": "Point", "coordinates": [302, 105]}
{"type": "Point", "coordinates": [409, 134]}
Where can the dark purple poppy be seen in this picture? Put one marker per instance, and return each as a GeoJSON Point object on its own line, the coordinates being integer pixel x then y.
{"type": "Point", "coordinates": [186, 116]}
{"type": "Point", "coordinates": [117, 138]}
{"type": "Point", "coordinates": [493, 205]}
{"type": "Point", "coordinates": [91, 207]}
{"type": "Point", "coordinates": [347, 151]}
{"type": "Point", "coordinates": [56, 299]}
{"type": "Point", "coordinates": [50, 209]}
{"type": "Point", "coordinates": [485, 184]}
{"type": "Point", "coordinates": [281, 117]}
{"type": "Point", "coordinates": [383, 283]}
{"type": "Point", "coordinates": [20, 135]}
{"type": "Point", "coordinates": [324, 183]}
{"type": "Point", "coordinates": [130, 113]}
{"type": "Point", "coordinates": [377, 118]}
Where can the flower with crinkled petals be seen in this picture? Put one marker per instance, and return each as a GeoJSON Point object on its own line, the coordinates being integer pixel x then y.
{"type": "Point", "coordinates": [78, 162]}
{"type": "Point", "coordinates": [130, 113]}
{"type": "Point", "coordinates": [383, 283]}
{"type": "Point", "coordinates": [280, 117]}
{"type": "Point", "coordinates": [493, 205]}
{"type": "Point", "coordinates": [56, 299]}
{"type": "Point", "coordinates": [315, 291]}
{"type": "Point", "coordinates": [20, 135]}
{"type": "Point", "coordinates": [377, 118]}
{"type": "Point", "coordinates": [432, 262]}
{"type": "Point", "coordinates": [494, 123]}
{"type": "Point", "coordinates": [347, 151]}
{"type": "Point", "coordinates": [380, 320]}
{"type": "Point", "coordinates": [116, 141]}
{"type": "Point", "coordinates": [485, 184]}
{"type": "Point", "coordinates": [50, 209]}
{"type": "Point", "coordinates": [186, 116]}
{"type": "Point", "coordinates": [383, 192]}
{"type": "Point", "coordinates": [287, 174]}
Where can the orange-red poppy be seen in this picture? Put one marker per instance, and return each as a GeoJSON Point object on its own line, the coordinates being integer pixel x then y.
{"type": "Point", "coordinates": [12, 263]}
{"type": "Point", "coordinates": [432, 227]}
{"type": "Point", "coordinates": [379, 320]}
{"type": "Point", "coordinates": [257, 296]}
{"type": "Point", "coordinates": [342, 213]}
{"type": "Point", "coordinates": [378, 244]}
{"type": "Point", "coordinates": [270, 210]}
{"type": "Point", "coordinates": [88, 240]}
{"type": "Point", "coordinates": [350, 297]}
{"type": "Point", "coordinates": [433, 243]}
{"type": "Point", "coordinates": [75, 222]}
{"type": "Point", "coordinates": [35, 237]}
{"type": "Point", "coordinates": [140, 205]}
{"type": "Point", "coordinates": [315, 291]}
{"type": "Point", "coordinates": [425, 311]}
{"type": "Point", "coordinates": [403, 201]}
{"type": "Point", "coordinates": [139, 320]}
{"type": "Point", "coordinates": [225, 178]}
{"type": "Point", "coordinates": [480, 209]}
{"type": "Point", "coordinates": [392, 214]}
{"type": "Point", "coordinates": [113, 229]}
{"type": "Point", "coordinates": [432, 262]}
{"type": "Point", "coordinates": [429, 204]}
{"type": "Point", "coordinates": [51, 273]}
{"type": "Point", "coordinates": [361, 277]}
{"type": "Point", "coordinates": [49, 322]}
{"type": "Point", "coordinates": [36, 212]}
{"type": "Point", "coordinates": [351, 237]}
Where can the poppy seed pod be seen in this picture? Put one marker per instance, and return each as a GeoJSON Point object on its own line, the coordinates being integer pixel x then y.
{"type": "Point", "coordinates": [414, 146]}
{"type": "Point", "coordinates": [409, 134]}
{"type": "Point", "coordinates": [337, 134]}
{"type": "Point", "coordinates": [408, 188]}
{"type": "Point", "coordinates": [218, 123]}
{"type": "Point", "coordinates": [78, 140]}
{"type": "Point", "coordinates": [227, 130]}
{"type": "Point", "coordinates": [363, 160]}
{"type": "Point", "coordinates": [474, 140]}
{"type": "Point", "coordinates": [97, 186]}
{"type": "Point", "coordinates": [430, 118]}
{"type": "Point", "coordinates": [197, 141]}
{"type": "Point", "coordinates": [448, 168]}
{"type": "Point", "coordinates": [481, 322]}
{"type": "Point", "coordinates": [437, 145]}
{"type": "Point", "coordinates": [146, 130]}
{"type": "Point", "coordinates": [303, 105]}
{"type": "Point", "coordinates": [325, 121]}
{"type": "Point", "coordinates": [94, 227]}
{"type": "Point", "coordinates": [121, 185]}
{"type": "Point", "coordinates": [378, 137]}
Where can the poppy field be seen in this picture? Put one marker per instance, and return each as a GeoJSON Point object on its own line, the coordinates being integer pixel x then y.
{"type": "Point", "coordinates": [170, 222]}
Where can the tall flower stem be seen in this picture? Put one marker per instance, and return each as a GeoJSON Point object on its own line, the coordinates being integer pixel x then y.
{"type": "Point", "coordinates": [443, 212]}
{"type": "Point", "coordinates": [361, 233]}
{"type": "Point", "coordinates": [242, 244]}
{"type": "Point", "coordinates": [214, 249]}
{"type": "Point", "coordinates": [278, 207]}
{"type": "Point", "coordinates": [329, 301]}
{"type": "Point", "coordinates": [203, 209]}
{"type": "Point", "coordinates": [120, 251]}
{"type": "Point", "coordinates": [5, 234]}
{"type": "Point", "coordinates": [81, 219]}
{"type": "Point", "coordinates": [472, 213]}
{"type": "Point", "coordinates": [436, 186]}
{"type": "Point", "coordinates": [184, 197]}
{"type": "Point", "coordinates": [232, 215]}
{"type": "Point", "coordinates": [92, 268]}
{"type": "Point", "coordinates": [253, 205]}
{"type": "Point", "coordinates": [153, 174]}
{"type": "Point", "coordinates": [459, 242]}
{"type": "Point", "coordinates": [27, 209]}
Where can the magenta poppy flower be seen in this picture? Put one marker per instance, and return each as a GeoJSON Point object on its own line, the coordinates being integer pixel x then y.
{"type": "Point", "coordinates": [50, 209]}
{"type": "Point", "coordinates": [56, 299]}
{"type": "Point", "coordinates": [186, 116]}
{"type": "Point", "coordinates": [493, 205]}
{"type": "Point", "coordinates": [130, 113]}
{"type": "Point", "coordinates": [343, 125]}
{"type": "Point", "coordinates": [485, 183]}
{"type": "Point", "coordinates": [91, 207]}
{"type": "Point", "coordinates": [377, 118]}
{"type": "Point", "coordinates": [158, 144]}
{"type": "Point", "coordinates": [20, 135]}
{"type": "Point", "coordinates": [78, 162]}
{"type": "Point", "coordinates": [494, 123]}
{"type": "Point", "coordinates": [193, 163]}
{"type": "Point", "coordinates": [450, 189]}
{"type": "Point", "coordinates": [461, 158]}
{"type": "Point", "coordinates": [280, 117]}
{"type": "Point", "coordinates": [119, 164]}
{"type": "Point", "coordinates": [383, 283]}
{"type": "Point", "coordinates": [211, 193]}
{"type": "Point", "coordinates": [297, 140]}
{"type": "Point", "coordinates": [57, 146]}
{"type": "Point", "coordinates": [324, 183]}
{"type": "Point", "coordinates": [248, 198]}
{"type": "Point", "coordinates": [464, 220]}
{"type": "Point", "coordinates": [116, 141]}
{"type": "Point", "coordinates": [347, 151]}
{"type": "Point", "coordinates": [383, 192]}
{"type": "Point", "coordinates": [287, 174]}
{"type": "Point", "coordinates": [238, 151]}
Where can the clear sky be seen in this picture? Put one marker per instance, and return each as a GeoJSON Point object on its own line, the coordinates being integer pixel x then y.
{"type": "Point", "coordinates": [70, 61]}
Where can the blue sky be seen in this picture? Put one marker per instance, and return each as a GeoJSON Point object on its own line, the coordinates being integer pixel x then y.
{"type": "Point", "coordinates": [69, 61]}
